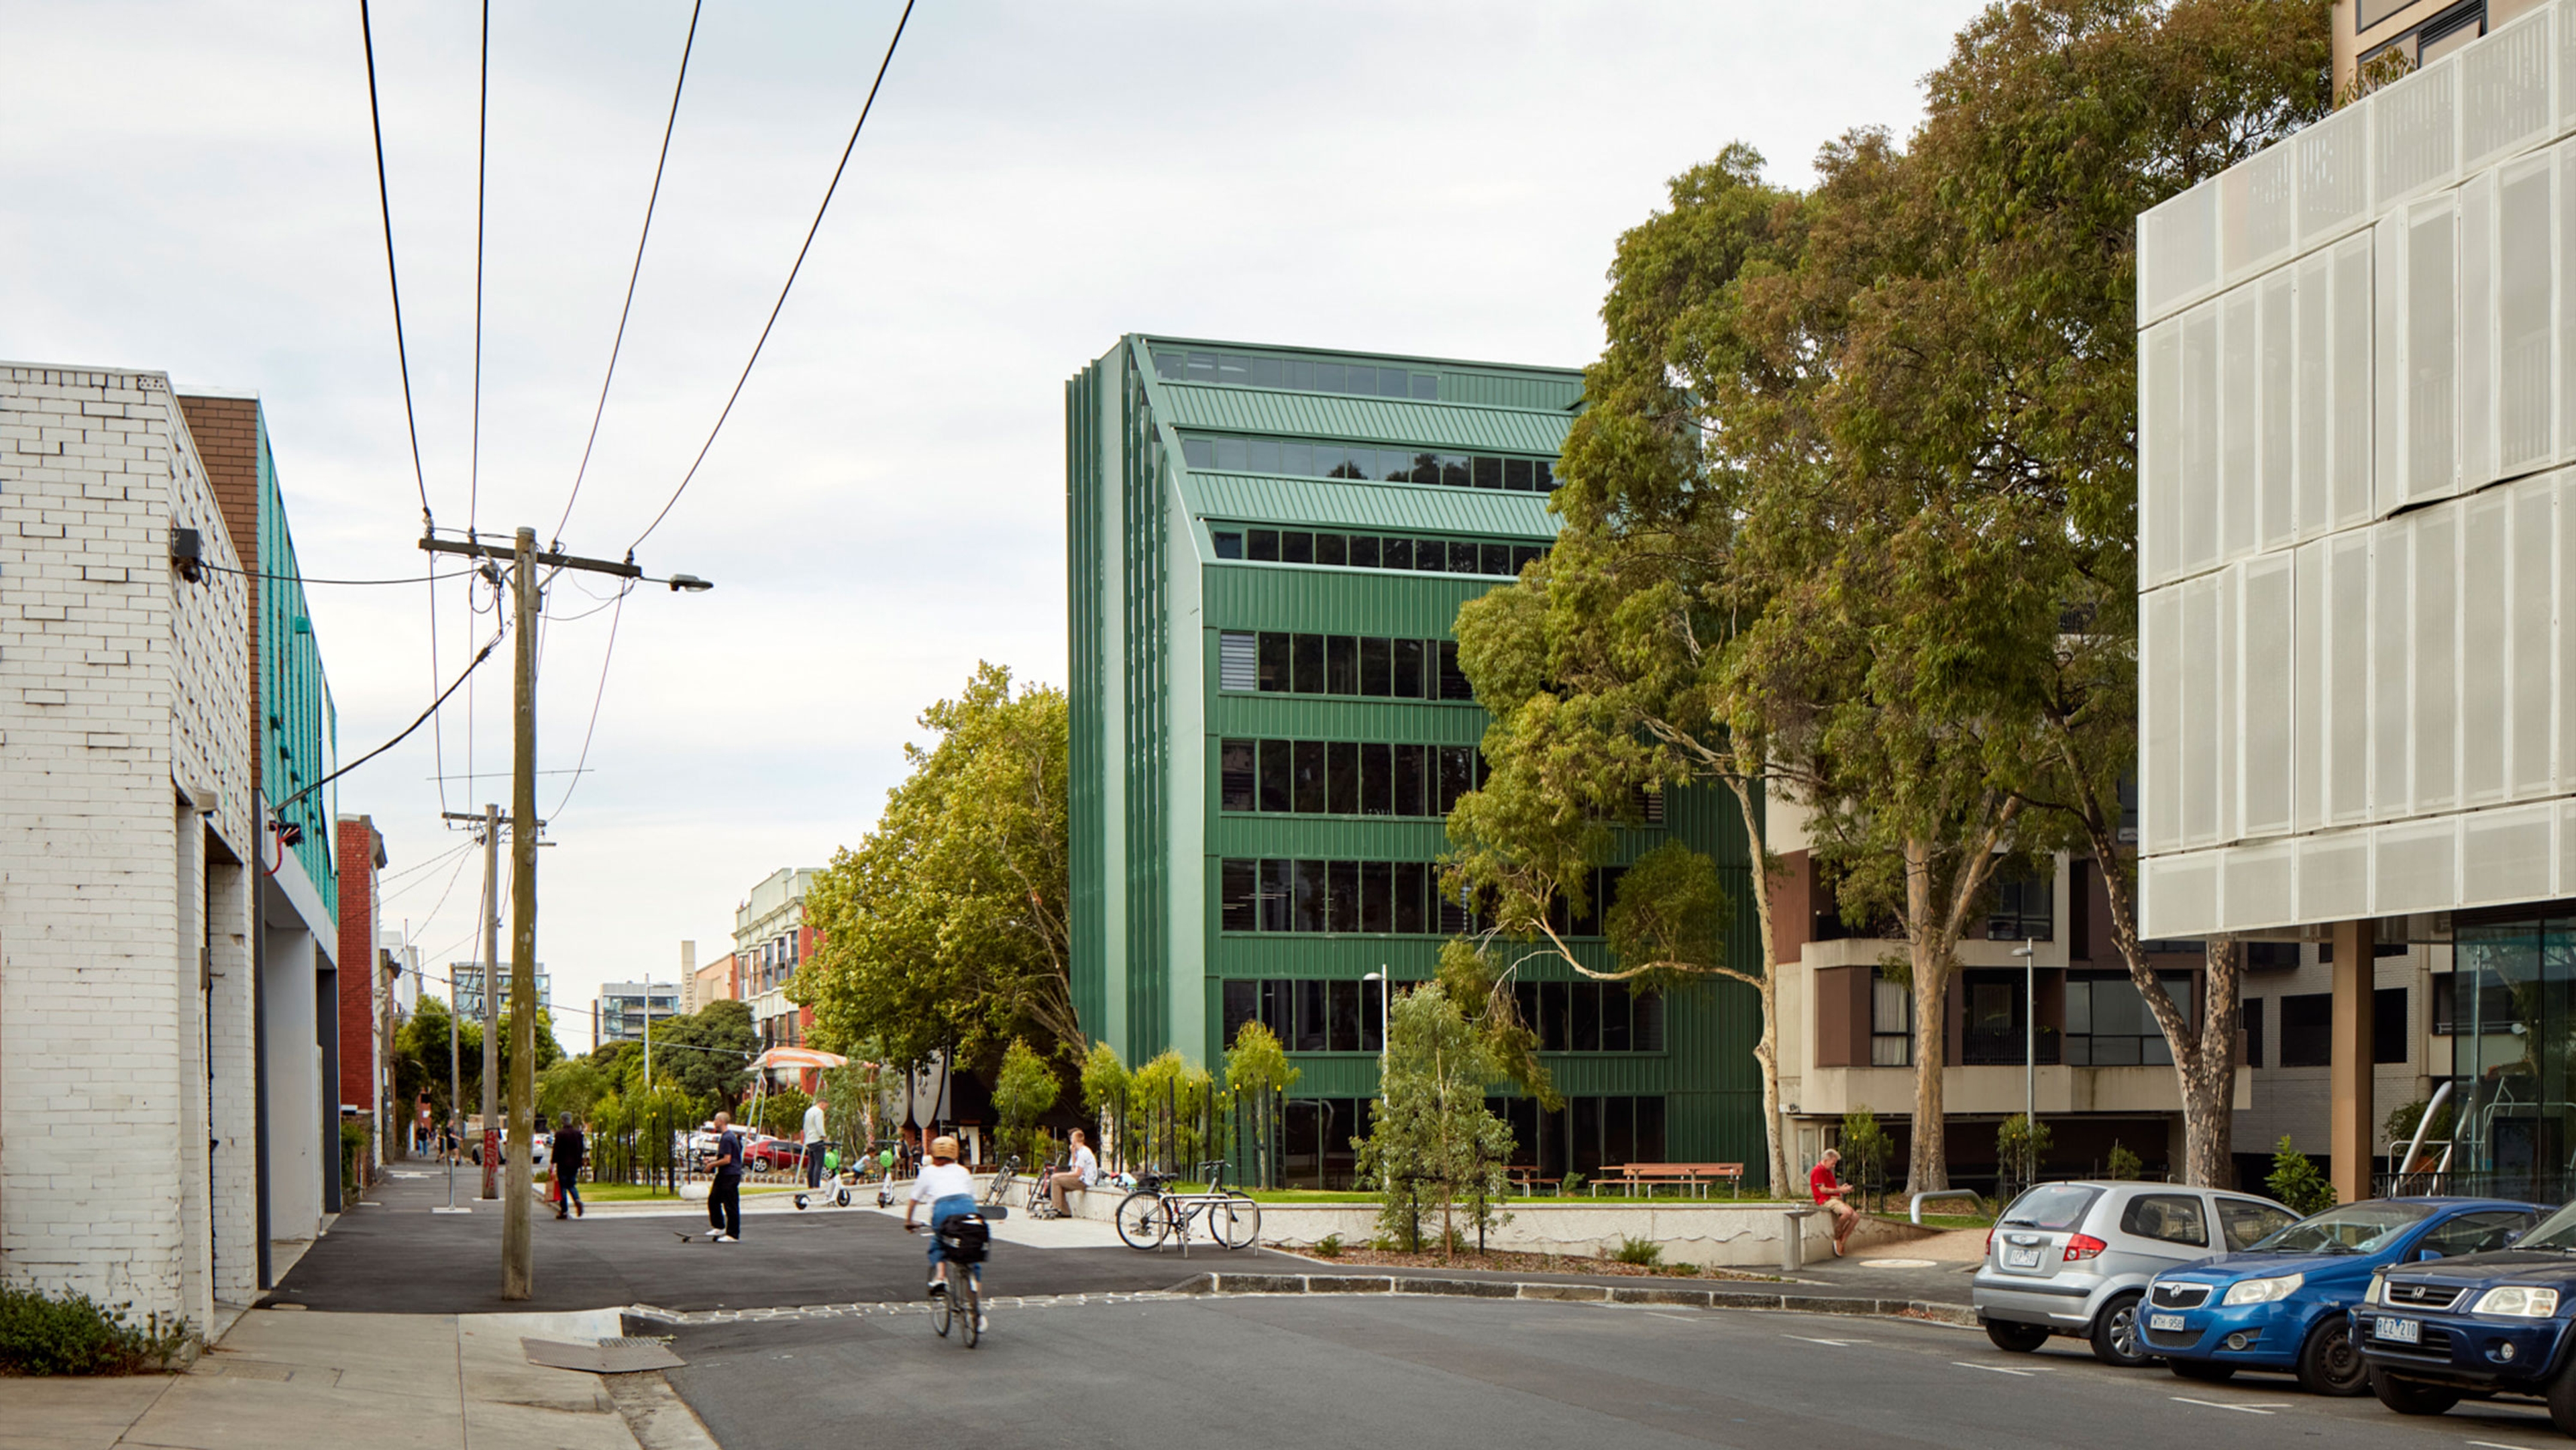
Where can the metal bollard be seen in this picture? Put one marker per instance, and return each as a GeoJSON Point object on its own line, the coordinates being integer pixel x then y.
{"type": "Point", "coordinates": [1793, 1246]}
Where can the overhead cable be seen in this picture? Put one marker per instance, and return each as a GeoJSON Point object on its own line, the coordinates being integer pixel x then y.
{"type": "Point", "coordinates": [393, 275]}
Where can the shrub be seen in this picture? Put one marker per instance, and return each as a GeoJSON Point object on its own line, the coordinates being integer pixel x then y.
{"type": "Point", "coordinates": [1329, 1246]}
{"type": "Point", "coordinates": [41, 1335]}
{"type": "Point", "coordinates": [2123, 1163]}
{"type": "Point", "coordinates": [1573, 1182]}
{"type": "Point", "coordinates": [1866, 1148]}
{"type": "Point", "coordinates": [1645, 1253]}
{"type": "Point", "coordinates": [2296, 1182]}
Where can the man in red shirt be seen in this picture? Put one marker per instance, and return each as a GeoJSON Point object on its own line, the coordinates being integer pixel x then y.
{"type": "Point", "coordinates": [1829, 1195]}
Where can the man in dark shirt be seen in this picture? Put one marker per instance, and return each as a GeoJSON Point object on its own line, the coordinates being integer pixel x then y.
{"type": "Point", "coordinates": [724, 1196]}
{"type": "Point", "coordinates": [570, 1149]}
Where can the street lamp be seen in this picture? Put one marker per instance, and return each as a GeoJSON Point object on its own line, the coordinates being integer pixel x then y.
{"type": "Point", "coordinates": [1385, 986]}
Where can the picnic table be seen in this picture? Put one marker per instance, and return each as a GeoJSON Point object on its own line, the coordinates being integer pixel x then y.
{"type": "Point", "coordinates": [1695, 1177]}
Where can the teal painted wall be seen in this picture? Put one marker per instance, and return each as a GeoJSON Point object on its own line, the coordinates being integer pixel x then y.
{"type": "Point", "coordinates": [299, 734]}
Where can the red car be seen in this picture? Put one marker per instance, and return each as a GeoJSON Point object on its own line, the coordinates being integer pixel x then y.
{"type": "Point", "coordinates": [774, 1155]}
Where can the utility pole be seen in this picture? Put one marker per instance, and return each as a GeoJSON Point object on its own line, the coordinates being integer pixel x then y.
{"type": "Point", "coordinates": [518, 1272]}
{"type": "Point", "coordinates": [491, 997]}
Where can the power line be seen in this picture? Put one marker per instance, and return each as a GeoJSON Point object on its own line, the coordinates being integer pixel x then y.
{"type": "Point", "coordinates": [429, 578]}
{"type": "Point", "coordinates": [650, 202]}
{"type": "Point", "coordinates": [420, 865]}
{"type": "Point", "coordinates": [605, 656]}
{"type": "Point", "coordinates": [781, 304]}
{"type": "Point", "coordinates": [480, 656]}
{"type": "Point", "coordinates": [393, 276]}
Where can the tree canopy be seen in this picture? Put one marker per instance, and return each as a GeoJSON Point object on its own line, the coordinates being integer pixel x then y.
{"type": "Point", "coordinates": [947, 927]}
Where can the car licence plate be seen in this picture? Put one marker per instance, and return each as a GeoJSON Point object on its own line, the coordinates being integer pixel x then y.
{"type": "Point", "coordinates": [2021, 1258]}
{"type": "Point", "coordinates": [2396, 1331]}
{"type": "Point", "coordinates": [2165, 1321]}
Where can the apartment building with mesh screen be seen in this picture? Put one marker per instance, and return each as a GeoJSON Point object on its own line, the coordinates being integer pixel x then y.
{"type": "Point", "coordinates": [2357, 395]}
{"type": "Point", "coordinates": [1268, 550]}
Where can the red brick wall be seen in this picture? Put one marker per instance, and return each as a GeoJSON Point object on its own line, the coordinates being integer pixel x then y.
{"type": "Point", "coordinates": [226, 432]}
{"type": "Point", "coordinates": [357, 847]}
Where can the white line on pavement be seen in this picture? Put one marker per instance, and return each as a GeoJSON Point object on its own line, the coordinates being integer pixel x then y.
{"type": "Point", "coordinates": [2496, 1445]}
{"type": "Point", "coordinates": [2262, 1409]}
{"type": "Point", "coordinates": [1999, 1369]}
{"type": "Point", "coordinates": [1836, 1343]}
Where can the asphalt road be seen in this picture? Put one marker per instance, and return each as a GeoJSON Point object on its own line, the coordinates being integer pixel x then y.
{"type": "Point", "coordinates": [1423, 1373]}
{"type": "Point", "coordinates": [399, 1258]}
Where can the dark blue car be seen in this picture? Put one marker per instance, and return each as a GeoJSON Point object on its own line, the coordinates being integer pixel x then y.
{"type": "Point", "coordinates": [2500, 1323]}
{"type": "Point", "coordinates": [2280, 1305]}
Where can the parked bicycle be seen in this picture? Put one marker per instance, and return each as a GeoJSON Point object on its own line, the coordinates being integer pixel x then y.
{"type": "Point", "coordinates": [1154, 1212]}
{"type": "Point", "coordinates": [1005, 1178]}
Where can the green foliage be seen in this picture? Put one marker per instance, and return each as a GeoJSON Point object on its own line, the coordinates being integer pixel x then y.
{"type": "Point", "coordinates": [2021, 1147]}
{"type": "Point", "coordinates": [1484, 994]}
{"type": "Point", "coordinates": [1434, 1150]}
{"type": "Point", "coordinates": [1572, 1185]}
{"type": "Point", "coordinates": [1023, 1092]}
{"type": "Point", "coordinates": [2296, 1183]}
{"type": "Point", "coordinates": [782, 1112]}
{"type": "Point", "coordinates": [1644, 1252]}
{"type": "Point", "coordinates": [948, 926]}
{"type": "Point", "coordinates": [1866, 1146]}
{"type": "Point", "coordinates": [2123, 1165]}
{"type": "Point", "coordinates": [704, 1054]}
{"type": "Point", "coordinates": [1329, 1247]}
{"type": "Point", "coordinates": [1257, 1076]}
{"type": "Point", "coordinates": [2401, 1125]}
{"type": "Point", "coordinates": [567, 1089]}
{"type": "Point", "coordinates": [1105, 1079]}
{"type": "Point", "coordinates": [1173, 1107]}
{"type": "Point", "coordinates": [355, 1136]}
{"type": "Point", "coordinates": [850, 1106]}
{"type": "Point", "coordinates": [75, 1335]}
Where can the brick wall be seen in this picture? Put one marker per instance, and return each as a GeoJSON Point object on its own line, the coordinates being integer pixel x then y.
{"type": "Point", "coordinates": [124, 831]}
{"type": "Point", "coordinates": [360, 850]}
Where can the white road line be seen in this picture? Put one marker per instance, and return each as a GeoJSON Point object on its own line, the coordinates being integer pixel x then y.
{"type": "Point", "coordinates": [1836, 1343]}
{"type": "Point", "coordinates": [1999, 1369]}
{"type": "Point", "coordinates": [1684, 1318]}
{"type": "Point", "coordinates": [2215, 1405]}
{"type": "Point", "coordinates": [2496, 1445]}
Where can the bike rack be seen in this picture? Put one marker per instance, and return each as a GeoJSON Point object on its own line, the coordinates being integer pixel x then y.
{"type": "Point", "coordinates": [1916, 1201]}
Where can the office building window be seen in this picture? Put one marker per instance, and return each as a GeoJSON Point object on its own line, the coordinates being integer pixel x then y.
{"type": "Point", "coordinates": [1363, 897]}
{"type": "Point", "coordinates": [2307, 1030]}
{"type": "Point", "coordinates": [1364, 462]}
{"type": "Point", "coordinates": [1262, 544]}
{"type": "Point", "coordinates": [1308, 1016]}
{"type": "Point", "coordinates": [1361, 666]}
{"type": "Point", "coordinates": [1585, 1135]}
{"type": "Point", "coordinates": [1296, 374]}
{"type": "Point", "coordinates": [2388, 1025]}
{"type": "Point", "coordinates": [1344, 778]}
{"type": "Point", "coordinates": [2108, 1024]}
{"type": "Point", "coordinates": [1585, 1016]}
{"type": "Point", "coordinates": [2250, 1018]}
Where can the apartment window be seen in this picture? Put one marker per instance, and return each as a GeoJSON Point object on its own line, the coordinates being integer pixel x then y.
{"type": "Point", "coordinates": [2250, 1017]}
{"type": "Point", "coordinates": [1997, 1018]}
{"type": "Point", "coordinates": [2388, 1025]}
{"type": "Point", "coordinates": [2271, 955]}
{"type": "Point", "coordinates": [1891, 1021]}
{"type": "Point", "coordinates": [2108, 1024]}
{"type": "Point", "coordinates": [2307, 1030]}
{"type": "Point", "coordinates": [2489, 1010]}
{"type": "Point", "coordinates": [2025, 910]}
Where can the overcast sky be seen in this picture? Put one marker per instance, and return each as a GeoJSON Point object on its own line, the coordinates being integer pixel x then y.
{"type": "Point", "coordinates": [191, 188]}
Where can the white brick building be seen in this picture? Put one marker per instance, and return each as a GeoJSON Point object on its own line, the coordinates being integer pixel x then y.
{"type": "Point", "coordinates": [128, 1114]}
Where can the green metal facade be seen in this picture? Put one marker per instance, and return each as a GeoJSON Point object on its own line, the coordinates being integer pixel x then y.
{"type": "Point", "coordinates": [1150, 599]}
{"type": "Point", "coordinates": [299, 736]}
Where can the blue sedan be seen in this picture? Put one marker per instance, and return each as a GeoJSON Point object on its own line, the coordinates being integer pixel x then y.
{"type": "Point", "coordinates": [2279, 1306]}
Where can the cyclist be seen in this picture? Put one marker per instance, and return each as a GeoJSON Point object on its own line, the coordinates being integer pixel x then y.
{"type": "Point", "coordinates": [949, 1189]}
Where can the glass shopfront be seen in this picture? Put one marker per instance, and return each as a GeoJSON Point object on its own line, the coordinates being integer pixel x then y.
{"type": "Point", "coordinates": [2512, 1004]}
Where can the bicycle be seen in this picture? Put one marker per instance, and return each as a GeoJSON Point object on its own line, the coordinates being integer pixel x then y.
{"type": "Point", "coordinates": [1004, 1178]}
{"type": "Point", "coordinates": [1150, 1215]}
{"type": "Point", "coordinates": [964, 1241]}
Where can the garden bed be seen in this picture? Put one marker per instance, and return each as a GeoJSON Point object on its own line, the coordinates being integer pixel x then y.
{"type": "Point", "coordinates": [1520, 1263]}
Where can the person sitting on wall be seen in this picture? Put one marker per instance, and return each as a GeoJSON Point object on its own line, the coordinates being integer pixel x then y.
{"type": "Point", "coordinates": [1080, 1171]}
{"type": "Point", "coordinates": [1829, 1195]}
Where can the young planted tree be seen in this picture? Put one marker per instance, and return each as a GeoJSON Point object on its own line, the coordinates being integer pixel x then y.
{"type": "Point", "coordinates": [1433, 1147]}
{"type": "Point", "coordinates": [1106, 1084]}
{"type": "Point", "coordinates": [1258, 1076]}
{"type": "Point", "coordinates": [947, 928]}
{"type": "Point", "coordinates": [1023, 1091]}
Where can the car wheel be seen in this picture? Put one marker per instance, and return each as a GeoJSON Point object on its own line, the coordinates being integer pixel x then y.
{"type": "Point", "coordinates": [2116, 1340]}
{"type": "Point", "coordinates": [2562, 1400]}
{"type": "Point", "coordinates": [2201, 1370]}
{"type": "Point", "coordinates": [2412, 1397]}
{"type": "Point", "coordinates": [2330, 1363]}
{"type": "Point", "coordinates": [2019, 1338]}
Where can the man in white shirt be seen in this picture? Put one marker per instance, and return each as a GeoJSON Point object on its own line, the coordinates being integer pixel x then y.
{"type": "Point", "coordinates": [813, 1141]}
{"type": "Point", "coordinates": [1080, 1171]}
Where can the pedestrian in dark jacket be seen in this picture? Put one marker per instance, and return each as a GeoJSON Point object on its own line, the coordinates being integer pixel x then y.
{"type": "Point", "coordinates": [570, 1149]}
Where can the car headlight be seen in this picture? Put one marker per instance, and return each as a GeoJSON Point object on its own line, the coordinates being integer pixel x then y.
{"type": "Point", "coordinates": [2263, 1291]}
{"type": "Point", "coordinates": [2371, 1295]}
{"type": "Point", "coordinates": [2516, 1301]}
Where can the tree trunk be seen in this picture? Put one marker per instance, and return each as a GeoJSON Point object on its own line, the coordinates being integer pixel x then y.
{"type": "Point", "coordinates": [1766, 1049]}
{"type": "Point", "coordinates": [2209, 1079]}
{"type": "Point", "coordinates": [1927, 1168]}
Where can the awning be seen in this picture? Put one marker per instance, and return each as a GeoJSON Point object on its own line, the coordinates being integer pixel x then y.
{"type": "Point", "coordinates": [799, 1057]}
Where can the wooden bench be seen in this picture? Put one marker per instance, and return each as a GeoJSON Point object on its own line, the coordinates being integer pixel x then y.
{"type": "Point", "coordinates": [1527, 1182]}
{"type": "Point", "coordinates": [1693, 1176]}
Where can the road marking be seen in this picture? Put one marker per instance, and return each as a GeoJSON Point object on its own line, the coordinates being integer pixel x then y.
{"type": "Point", "coordinates": [2262, 1409]}
{"type": "Point", "coordinates": [2497, 1445]}
{"type": "Point", "coordinates": [1684, 1318]}
{"type": "Point", "coordinates": [1999, 1369]}
{"type": "Point", "coordinates": [1896, 1263]}
{"type": "Point", "coordinates": [1836, 1343]}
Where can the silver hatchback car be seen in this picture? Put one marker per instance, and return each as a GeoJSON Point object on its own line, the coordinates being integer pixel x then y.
{"type": "Point", "coordinates": [2075, 1258]}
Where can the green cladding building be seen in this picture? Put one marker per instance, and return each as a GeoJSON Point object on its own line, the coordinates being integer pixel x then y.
{"type": "Point", "coordinates": [1268, 550]}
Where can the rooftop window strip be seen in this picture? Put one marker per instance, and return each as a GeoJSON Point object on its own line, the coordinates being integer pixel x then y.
{"type": "Point", "coordinates": [1301, 375]}
{"type": "Point", "coordinates": [1411, 554]}
{"type": "Point", "coordinates": [1325, 458]}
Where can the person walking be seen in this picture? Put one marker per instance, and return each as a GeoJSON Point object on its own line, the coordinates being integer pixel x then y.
{"type": "Point", "coordinates": [569, 1151]}
{"type": "Point", "coordinates": [813, 1138]}
{"type": "Point", "coordinates": [724, 1195]}
{"type": "Point", "coordinates": [1829, 1192]}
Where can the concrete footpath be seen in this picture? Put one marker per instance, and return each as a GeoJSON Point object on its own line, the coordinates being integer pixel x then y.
{"type": "Point", "coordinates": [284, 1380]}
